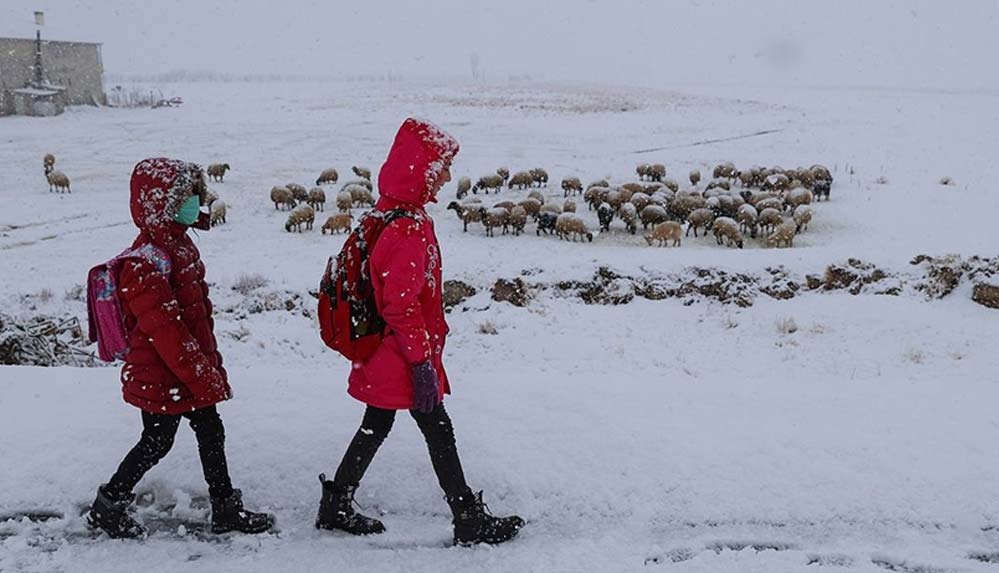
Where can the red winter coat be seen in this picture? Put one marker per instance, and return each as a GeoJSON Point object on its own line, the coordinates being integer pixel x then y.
{"type": "Point", "coordinates": [173, 364]}
{"type": "Point", "coordinates": [405, 267]}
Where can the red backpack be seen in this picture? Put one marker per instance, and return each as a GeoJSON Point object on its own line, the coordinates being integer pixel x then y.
{"type": "Point", "coordinates": [348, 316]}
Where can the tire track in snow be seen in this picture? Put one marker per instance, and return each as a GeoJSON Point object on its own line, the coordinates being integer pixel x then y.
{"type": "Point", "coordinates": [709, 141]}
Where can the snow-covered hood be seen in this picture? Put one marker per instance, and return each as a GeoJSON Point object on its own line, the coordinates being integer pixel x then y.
{"type": "Point", "coordinates": [420, 152]}
{"type": "Point", "coordinates": [159, 187]}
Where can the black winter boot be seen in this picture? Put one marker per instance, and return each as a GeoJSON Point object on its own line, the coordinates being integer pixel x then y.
{"type": "Point", "coordinates": [473, 523]}
{"type": "Point", "coordinates": [228, 514]}
{"type": "Point", "coordinates": [336, 511]}
{"type": "Point", "coordinates": [110, 515]}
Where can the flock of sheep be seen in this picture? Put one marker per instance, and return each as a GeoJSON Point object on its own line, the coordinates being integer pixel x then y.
{"type": "Point", "coordinates": [770, 203]}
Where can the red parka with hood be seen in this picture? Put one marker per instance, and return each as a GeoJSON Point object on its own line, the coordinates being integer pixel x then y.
{"type": "Point", "coordinates": [405, 267]}
{"type": "Point", "coordinates": [173, 364]}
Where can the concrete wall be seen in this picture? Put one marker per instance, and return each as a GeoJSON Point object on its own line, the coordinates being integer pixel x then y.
{"type": "Point", "coordinates": [76, 66]}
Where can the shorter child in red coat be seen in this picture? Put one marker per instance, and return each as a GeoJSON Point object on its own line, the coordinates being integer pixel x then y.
{"type": "Point", "coordinates": [173, 369]}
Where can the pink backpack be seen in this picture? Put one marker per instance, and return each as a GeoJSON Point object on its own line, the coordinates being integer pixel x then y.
{"type": "Point", "coordinates": [104, 310]}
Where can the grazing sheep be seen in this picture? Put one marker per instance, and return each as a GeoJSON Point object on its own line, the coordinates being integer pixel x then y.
{"type": "Point", "coordinates": [599, 183]}
{"type": "Point", "coordinates": [756, 198]}
{"type": "Point", "coordinates": [719, 184]}
{"type": "Point", "coordinates": [508, 205]}
{"type": "Point", "coordinates": [281, 196]}
{"type": "Point", "coordinates": [700, 217]}
{"type": "Point", "coordinates": [664, 233]}
{"type": "Point", "coordinates": [725, 170]}
{"type": "Point", "coordinates": [464, 185]}
{"type": "Point", "coordinates": [569, 206]}
{"type": "Point", "coordinates": [783, 234]}
{"type": "Point", "coordinates": [776, 182]}
{"type": "Point", "coordinates": [362, 172]}
{"type": "Point", "coordinates": [546, 223]}
{"type": "Point", "coordinates": [640, 200]}
{"type": "Point", "coordinates": [657, 172]}
{"type": "Point", "coordinates": [656, 187]}
{"type": "Point", "coordinates": [695, 177]}
{"type": "Point", "coordinates": [316, 199]}
{"type": "Point", "coordinates": [521, 180]}
{"type": "Point", "coordinates": [551, 208]}
{"type": "Point", "coordinates": [643, 170]}
{"type": "Point", "coordinates": [48, 162]}
{"type": "Point", "coordinates": [302, 215]}
{"type": "Point", "coordinates": [210, 197]}
{"type": "Point", "coordinates": [747, 218]}
{"type": "Point", "coordinates": [571, 186]}
{"type": "Point", "coordinates": [518, 219]}
{"type": "Point", "coordinates": [337, 223]}
{"type": "Point", "coordinates": [729, 204]}
{"type": "Point", "coordinates": [344, 201]}
{"type": "Point", "coordinates": [802, 217]}
{"type": "Point", "coordinates": [614, 198]}
{"type": "Point", "coordinates": [467, 213]}
{"type": "Point", "coordinates": [671, 184]}
{"type": "Point", "coordinates": [217, 213]}
{"type": "Point", "coordinates": [328, 176]}
{"type": "Point", "coordinates": [532, 206]}
{"type": "Point", "coordinates": [570, 226]}
{"type": "Point", "coordinates": [496, 217]}
{"type": "Point", "coordinates": [299, 192]}
{"type": "Point", "coordinates": [362, 182]}
{"type": "Point", "coordinates": [594, 196]}
{"type": "Point", "coordinates": [683, 205]}
{"type": "Point", "coordinates": [820, 172]}
{"type": "Point", "coordinates": [487, 182]}
{"type": "Point", "coordinates": [770, 219]}
{"type": "Point", "coordinates": [771, 203]}
{"type": "Point", "coordinates": [360, 195]}
{"type": "Point", "coordinates": [58, 181]}
{"type": "Point", "coordinates": [537, 196]}
{"type": "Point", "coordinates": [504, 174]}
{"type": "Point", "coordinates": [652, 215]}
{"type": "Point", "coordinates": [725, 228]}
{"type": "Point", "coordinates": [216, 171]}
{"type": "Point", "coordinates": [605, 214]}
{"type": "Point", "coordinates": [798, 197]}
{"type": "Point", "coordinates": [629, 215]}
{"type": "Point", "coordinates": [539, 176]}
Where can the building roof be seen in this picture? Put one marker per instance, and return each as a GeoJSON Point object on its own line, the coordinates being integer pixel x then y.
{"type": "Point", "coordinates": [50, 41]}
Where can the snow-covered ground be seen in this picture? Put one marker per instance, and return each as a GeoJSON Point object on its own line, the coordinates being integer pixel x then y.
{"type": "Point", "coordinates": [827, 431]}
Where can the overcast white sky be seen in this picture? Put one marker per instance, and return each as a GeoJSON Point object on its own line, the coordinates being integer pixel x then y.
{"type": "Point", "coordinates": [891, 43]}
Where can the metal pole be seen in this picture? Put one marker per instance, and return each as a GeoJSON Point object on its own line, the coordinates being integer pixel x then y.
{"type": "Point", "coordinates": [39, 75]}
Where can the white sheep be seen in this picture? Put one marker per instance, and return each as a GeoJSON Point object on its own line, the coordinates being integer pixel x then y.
{"type": "Point", "coordinates": [464, 186]}
{"type": "Point", "coordinates": [725, 228]}
{"type": "Point", "coordinates": [301, 215]}
{"type": "Point", "coordinates": [783, 234]}
{"type": "Point", "coordinates": [317, 198]}
{"type": "Point", "coordinates": [217, 212]}
{"type": "Point", "coordinates": [664, 233]}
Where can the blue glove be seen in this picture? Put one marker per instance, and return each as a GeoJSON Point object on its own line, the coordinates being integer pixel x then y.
{"type": "Point", "coordinates": [426, 388]}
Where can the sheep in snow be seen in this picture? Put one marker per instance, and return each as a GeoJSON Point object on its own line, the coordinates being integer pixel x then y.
{"type": "Point", "coordinates": [699, 217]}
{"type": "Point", "coordinates": [327, 176]}
{"type": "Point", "coordinates": [301, 215]}
{"type": "Point", "coordinates": [217, 213]}
{"type": "Point", "coordinates": [571, 186]}
{"type": "Point", "coordinates": [568, 226]}
{"type": "Point", "coordinates": [282, 197]}
{"type": "Point", "coordinates": [539, 176]}
{"type": "Point", "coordinates": [467, 213]}
{"type": "Point", "coordinates": [58, 181]}
{"type": "Point", "coordinates": [487, 182]}
{"type": "Point", "coordinates": [652, 215]}
{"type": "Point", "coordinates": [546, 223]}
{"type": "Point", "coordinates": [521, 180]}
{"type": "Point", "coordinates": [337, 223]}
{"type": "Point", "coordinates": [783, 234]}
{"type": "Point", "coordinates": [726, 229]}
{"type": "Point", "coordinates": [464, 186]}
{"type": "Point", "coordinates": [665, 233]}
{"type": "Point", "coordinates": [216, 171]}
{"type": "Point", "coordinates": [362, 172]}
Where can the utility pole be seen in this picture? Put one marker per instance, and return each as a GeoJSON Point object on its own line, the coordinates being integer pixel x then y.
{"type": "Point", "coordinates": [39, 70]}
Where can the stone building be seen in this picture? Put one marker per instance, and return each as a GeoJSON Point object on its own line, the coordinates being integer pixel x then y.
{"type": "Point", "coordinates": [73, 75]}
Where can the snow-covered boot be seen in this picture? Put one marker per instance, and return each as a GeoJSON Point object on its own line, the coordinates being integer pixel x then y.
{"type": "Point", "coordinates": [336, 511]}
{"type": "Point", "coordinates": [228, 514]}
{"type": "Point", "coordinates": [110, 515]}
{"type": "Point", "coordinates": [473, 523]}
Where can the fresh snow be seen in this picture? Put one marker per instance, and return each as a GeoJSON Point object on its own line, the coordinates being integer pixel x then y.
{"type": "Point", "coordinates": [851, 433]}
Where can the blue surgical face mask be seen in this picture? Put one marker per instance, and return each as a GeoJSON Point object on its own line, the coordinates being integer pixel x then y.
{"type": "Point", "coordinates": [189, 211]}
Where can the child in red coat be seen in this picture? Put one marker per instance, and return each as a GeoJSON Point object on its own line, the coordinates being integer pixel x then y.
{"type": "Point", "coordinates": [173, 369]}
{"type": "Point", "coordinates": [406, 372]}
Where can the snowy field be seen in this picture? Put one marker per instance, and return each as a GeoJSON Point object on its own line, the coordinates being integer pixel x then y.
{"type": "Point", "coordinates": [829, 432]}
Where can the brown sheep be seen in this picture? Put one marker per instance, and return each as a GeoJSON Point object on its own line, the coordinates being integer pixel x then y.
{"type": "Point", "coordinates": [783, 234]}
{"type": "Point", "coordinates": [337, 223]}
{"type": "Point", "coordinates": [700, 217]}
{"type": "Point", "coordinates": [657, 172]}
{"type": "Point", "coordinates": [464, 186]}
{"type": "Point", "coordinates": [539, 176]}
{"type": "Point", "coordinates": [496, 217]}
{"type": "Point", "coordinates": [521, 180]}
{"type": "Point", "coordinates": [302, 215]}
{"type": "Point", "coordinates": [695, 177]}
{"type": "Point", "coordinates": [344, 201]}
{"type": "Point", "coordinates": [571, 186]}
{"type": "Point", "coordinates": [640, 201]}
{"type": "Point", "coordinates": [684, 205]}
{"type": "Point", "coordinates": [504, 174]}
{"type": "Point", "coordinates": [362, 182]}
{"type": "Point", "coordinates": [568, 226]}
{"type": "Point", "coordinates": [518, 219]}
{"type": "Point", "coordinates": [725, 170]}
{"type": "Point", "coordinates": [569, 206]}
{"type": "Point", "coordinates": [217, 213]}
{"type": "Point", "coordinates": [508, 205]}
{"type": "Point", "coordinates": [362, 172]}
{"type": "Point", "coordinates": [776, 182]}
{"type": "Point", "coordinates": [536, 195]}
{"type": "Point", "coordinates": [328, 176]}
{"type": "Point", "coordinates": [467, 213]}
{"type": "Point", "coordinates": [719, 184]}
{"type": "Point", "coordinates": [634, 187]}
{"type": "Point", "coordinates": [487, 182]}
{"type": "Point", "coordinates": [652, 215]}
{"type": "Point", "coordinates": [282, 197]}
{"type": "Point", "coordinates": [747, 218]}
{"type": "Point", "coordinates": [532, 206]}
{"type": "Point", "coordinates": [316, 199]}
{"type": "Point", "coordinates": [216, 171]}
{"type": "Point", "coordinates": [58, 181]}
{"type": "Point", "coordinates": [299, 192]}
{"type": "Point", "coordinates": [802, 217]}
{"type": "Point", "coordinates": [797, 197]}
{"type": "Point", "coordinates": [770, 219]}
{"type": "Point", "coordinates": [48, 162]}
{"type": "Point", "coordinates": [725, 228]}
{"type": "Point", "coordinates": [629, 215]}
{"type": "Point", "coordinates": [664, 233]}
{"type": "Point", "coordinates": [642, 170]}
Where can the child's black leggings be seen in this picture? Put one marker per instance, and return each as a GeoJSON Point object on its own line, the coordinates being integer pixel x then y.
{"type": "Point", "coordinates": [158, 431]}
{"type": "Point", "coordinates": [437, 431]}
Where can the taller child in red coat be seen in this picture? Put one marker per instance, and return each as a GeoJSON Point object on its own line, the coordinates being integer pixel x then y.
{"type": "Point", "coordinates": [406, 371]}
{"type": "Point", "coordinates": [173, 369]}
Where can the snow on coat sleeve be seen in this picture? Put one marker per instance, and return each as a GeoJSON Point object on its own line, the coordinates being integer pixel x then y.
{"type": "Point", "coordinates": [400, 260]}
{"type": "Point", "coordinates": [149, 298]}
